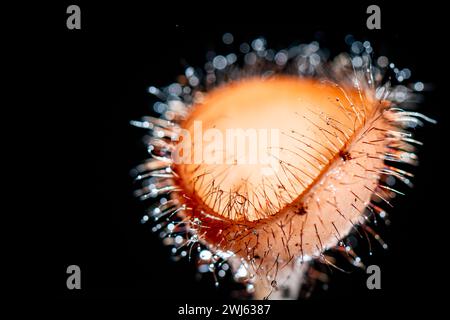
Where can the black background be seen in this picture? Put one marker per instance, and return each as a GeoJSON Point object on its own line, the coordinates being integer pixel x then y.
{"type": "Point", "coordinates": [90, 83]}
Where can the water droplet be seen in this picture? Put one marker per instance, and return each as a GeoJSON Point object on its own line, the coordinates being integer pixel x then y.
{"type": "Point", "coordinates": [227, 38]}
{"type": "Point", "coordinates": [205, 255]}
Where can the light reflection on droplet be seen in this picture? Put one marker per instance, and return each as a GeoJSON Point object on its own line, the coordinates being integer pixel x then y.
{"type": "Point", "coordinates": [357, 47]}
{"type": "Point", "coordinates": [178, 239]}
{"type": "Point", "coordinates": [281, 58]}
{"type": "Point", "coordinates": [205, 255]}
{"type": "Point", "coordinates": [314, 59]}
{"type": "Point", "coordinates": [419, 86]}
{"type": "Point", "coordinates": [189, 72]}
{"type": "Point", "coordinates": [231, 58]}
{"type": "Point", "coordinates": [258, 44]}
{"type": "Point", "coordinates": [220, 62]}
{"type": "Point", "coordinates": [175, 89]}
{"type": "Point", "coordinates": [153, 90]}
{"type": "Point", "coordinates": [227, 38]}
{"type": "Point", "coordinates": [241, 272]}
{"type": "Point", "coordinates": [349, 39]}
{"type": "Point", "coordinates": [193, 81]}
{"type": "Point", "coordinates": [383, 61]}
{"type": "Point", "coordinates": [390, 180]}
{"type": "Point", "coordinates": [244, 48]}
{"type": "Point", "coordinates": [203, 268]}
{"type": "Point", "coordinates": [357, 62]}
{"type": "Point", "coordinates": [160, 107]}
